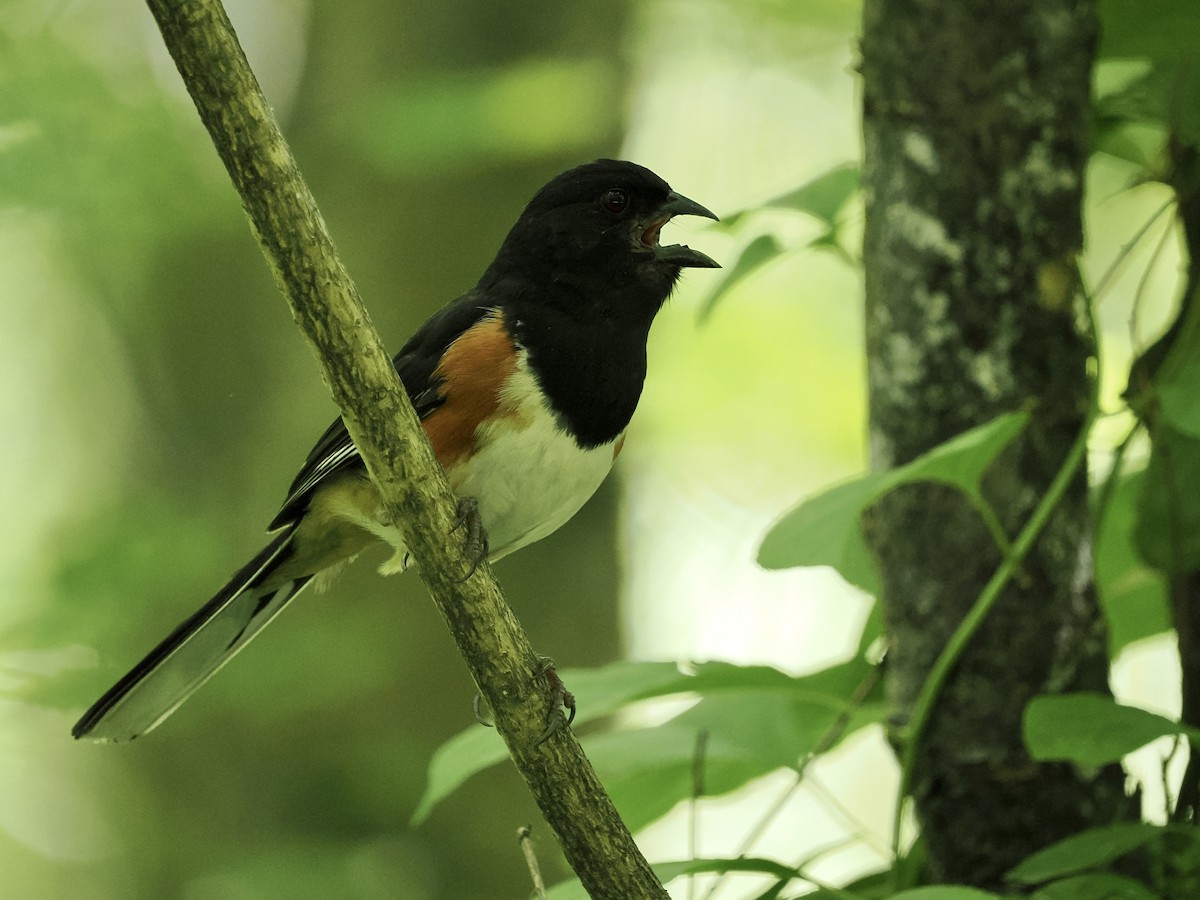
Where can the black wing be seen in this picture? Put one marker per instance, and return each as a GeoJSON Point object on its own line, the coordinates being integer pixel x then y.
{"type": "Point", "coordinates": [415, 363]}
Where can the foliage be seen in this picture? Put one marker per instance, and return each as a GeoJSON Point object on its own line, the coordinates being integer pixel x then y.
{"type": "Point", "coordinates": [824, 530]}
{"type": "Point", "coordinates": [1091, 729]}
{"type": "Point", "coordinates": [754, 720]}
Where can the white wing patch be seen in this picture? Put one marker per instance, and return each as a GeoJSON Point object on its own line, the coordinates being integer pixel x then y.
{"type": "Point", "coordinates": [325, 466]}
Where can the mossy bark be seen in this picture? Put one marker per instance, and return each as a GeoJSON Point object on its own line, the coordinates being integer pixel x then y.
{"type": "Point", "coordinates": [975, 120]}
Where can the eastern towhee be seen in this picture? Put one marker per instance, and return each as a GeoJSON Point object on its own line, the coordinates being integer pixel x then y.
{"type": "Point", "coordinates": [524, 384]}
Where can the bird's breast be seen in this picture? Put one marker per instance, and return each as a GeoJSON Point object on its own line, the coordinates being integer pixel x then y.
{"type": "Point", "coordinates": [527, 472]}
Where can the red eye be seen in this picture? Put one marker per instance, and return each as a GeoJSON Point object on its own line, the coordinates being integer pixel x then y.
{"type": "Point", "coordinates": [615, 200]}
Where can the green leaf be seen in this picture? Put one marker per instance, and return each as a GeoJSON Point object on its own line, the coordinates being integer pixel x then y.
{"type": "Point", "coordinates": [1091, 729]}
{"type": "Point", "coordinates": [652, 768]}
{"type": "Point", "coordinates": [1179, 401]}
{"type": "Point", "coordinates": [1086, 850]}
{"type": "Point", "coordinates": [945, 892]}
{"type": "Point", "coordinates": [1163, 30]}
{"type": "Point", "coordinates": [1163, 36]}
{"type": "Point", "coordinates": [1139, 143]}
{"type": "Point", "coordinates": [880, 885]}
{"type": "Point", "coordinates": [750, 732]}
{"type": "Point", "coordinates": [1167, 533]}
{"type": "Point", "coordinates": [1096, 885]}
{"type": "Point", "coordinates": [962, 461]}
{"type": "Point", "coordinates": [825, 529]}
{"type": "Point", "coordinates": [598, 692]}
{"type": "Point", "coordinates": [669, 871]}
{"type": "Point", "coordinates": [1110, 77]}
{"type": "Point", "coordinates": [822, 198]}
{"type": "Point", "coordinates": [1132, 594]}
{"type": "Point", "coordinates": [454, 762]}
{"type": "Point", "coordinates": [756, 254]}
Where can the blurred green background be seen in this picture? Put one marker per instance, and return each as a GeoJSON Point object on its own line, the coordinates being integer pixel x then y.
{"type": "Point", "coordinates": [156, 400]}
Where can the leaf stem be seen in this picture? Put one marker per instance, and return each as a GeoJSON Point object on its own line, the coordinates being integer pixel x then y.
{"type": "Point", "coordinates": [987, 512]}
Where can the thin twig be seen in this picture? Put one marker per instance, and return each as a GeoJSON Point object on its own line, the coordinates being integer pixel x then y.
{"type": "Point", "coordinates": [535, 871]}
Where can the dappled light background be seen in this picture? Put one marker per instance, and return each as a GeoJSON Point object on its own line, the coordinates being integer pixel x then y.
{"type": "Point", "coordinates": [157, 400]}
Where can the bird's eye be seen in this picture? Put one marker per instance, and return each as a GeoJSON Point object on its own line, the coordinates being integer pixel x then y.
{"type": "Point", "coordinates": [615, 200]}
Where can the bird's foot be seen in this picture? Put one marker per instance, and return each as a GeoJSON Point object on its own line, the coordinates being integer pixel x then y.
{"type": "Point", "coordinates": [477, 542]}
{"type": "Point", "coordinates": [562, 704]}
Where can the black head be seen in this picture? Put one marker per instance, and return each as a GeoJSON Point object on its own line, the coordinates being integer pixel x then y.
{"type": "Point", "coordinates": [599, 223]}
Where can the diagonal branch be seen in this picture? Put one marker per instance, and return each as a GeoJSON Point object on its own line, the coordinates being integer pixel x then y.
{"type": "Point", "coordinates": [381, 421]}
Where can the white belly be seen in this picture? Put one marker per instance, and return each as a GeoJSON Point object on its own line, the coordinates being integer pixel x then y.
{"type": "Point", "coordinates": [527, 474]}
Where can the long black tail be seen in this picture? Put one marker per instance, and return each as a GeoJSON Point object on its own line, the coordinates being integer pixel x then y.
{"type": "Point", "coordinates": [194, 651]}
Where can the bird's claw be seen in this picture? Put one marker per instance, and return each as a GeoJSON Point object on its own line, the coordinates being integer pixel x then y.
{"type": "Point", "coordinates": [562, 704]}
{"type": "Point", "coordinates": [562, 700]}
{"type": "Point", "coordinates": [477, 711]}
{"type": "Point", "coordinates": [477, 542]}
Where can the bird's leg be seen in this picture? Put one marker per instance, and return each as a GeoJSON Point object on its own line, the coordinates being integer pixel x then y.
{"type": "Point", "coordinates": [477, 542]}
{"type": "Point", "coordinates": [562, 699]}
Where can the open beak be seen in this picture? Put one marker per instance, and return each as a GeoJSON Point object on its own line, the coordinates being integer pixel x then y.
{"type": "Point", "coordinates": [677, 254]}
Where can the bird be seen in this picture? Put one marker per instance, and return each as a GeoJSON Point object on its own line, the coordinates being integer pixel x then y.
{"type": "Point", "coordinates": [524, 385]}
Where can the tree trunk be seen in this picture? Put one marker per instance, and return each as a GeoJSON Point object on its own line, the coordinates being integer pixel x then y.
{"type": "Point", "coordinates": [975, 120]}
